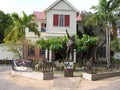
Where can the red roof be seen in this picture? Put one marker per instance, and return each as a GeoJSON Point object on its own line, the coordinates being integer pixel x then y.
{"type": "Point", "coordinates": [39, 15]}
{"type": "Point", "coordinates": [79, 17]}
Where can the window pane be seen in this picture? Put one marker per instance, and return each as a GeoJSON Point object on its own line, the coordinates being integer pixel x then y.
{"type": "Point", "coordinates": [102, 52]}
{"type": "Point", "coordinates": [31, 50]}
{"type": "Point", "coordinates": [61, 22]}
{"type": "Point", "coordinates": [42, 52]}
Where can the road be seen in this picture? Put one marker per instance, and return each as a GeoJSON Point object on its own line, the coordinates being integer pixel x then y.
{"type": "Point", "coordinates": [8, 82]}
{"type": "Point", "coordinates": [104, 84]}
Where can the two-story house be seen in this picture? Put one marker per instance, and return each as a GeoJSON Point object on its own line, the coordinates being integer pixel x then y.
{"type": "Point", "coordinates": [52, 22]}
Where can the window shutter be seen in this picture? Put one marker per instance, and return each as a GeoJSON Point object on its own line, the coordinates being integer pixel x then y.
{"type": "Point", "coordinates": [67, 20]}
{"type": "Point", "coordinates": [55, 20]}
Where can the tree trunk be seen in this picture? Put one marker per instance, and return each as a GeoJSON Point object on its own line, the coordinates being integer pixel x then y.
{"type": "Point", "coordinates": [108, 47]}
{"type": "Point", "coordinates": [114, 30]}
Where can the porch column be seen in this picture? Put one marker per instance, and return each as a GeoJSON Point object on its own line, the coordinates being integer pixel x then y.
{"type": "Point", "coordinates": [70, 57]}
{"type": "Point", "coordinates": [74, 56]}
{"type": "Point", "coordinates": [50, 56]}
{"type": "Point", "coordinates": [46, 54]}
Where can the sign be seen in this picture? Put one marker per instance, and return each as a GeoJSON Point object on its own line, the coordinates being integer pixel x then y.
{"type": "Point", "coordinates": [68, 65]}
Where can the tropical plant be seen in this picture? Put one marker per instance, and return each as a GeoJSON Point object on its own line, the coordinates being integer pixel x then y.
{"type": "Point", "coordinates": [15, 33]}
{"type": "Point", "coordinates": [52, 43]}
{"type": "Point", "coordinates": [85, 43]}
{"type": "Point", "coordinates": [105, 12]}
{"type": "Point", "coordinates": [5, 21]}
{"type": "Point", "coordinates": [57, 43]}
{"type": "Point", "coordinates": [115, 45]}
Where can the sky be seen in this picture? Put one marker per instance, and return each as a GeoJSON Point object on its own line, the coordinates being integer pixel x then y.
{"type": "Point", "coordinates": [28, 6]}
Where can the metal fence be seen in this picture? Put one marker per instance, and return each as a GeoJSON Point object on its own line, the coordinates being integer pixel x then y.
{"type": "Point", "coordinates": [26, 65]}
{"type": "Point", "coordinates": [100, 66]}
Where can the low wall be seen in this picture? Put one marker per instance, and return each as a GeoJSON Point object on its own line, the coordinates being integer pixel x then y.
{"type": "Point", "coordinates": [34, 75]}
{"type": "Point", "coordinates": [100, 76]}
{"type": "Point", "coordinates": [5, 61]}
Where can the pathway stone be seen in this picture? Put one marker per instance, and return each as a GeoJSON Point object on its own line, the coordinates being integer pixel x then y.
{"type": "Point", "coordinates": [65, 83]}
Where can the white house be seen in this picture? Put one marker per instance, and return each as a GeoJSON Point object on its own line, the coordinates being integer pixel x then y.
{"type": "Point", "coordinates": [53, 22]}
{"type": "Point", "coordinates": [61, 15]}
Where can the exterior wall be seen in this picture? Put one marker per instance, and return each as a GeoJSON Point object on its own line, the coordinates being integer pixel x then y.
{"type": "Point", "coordinates": [60, 31]}
{"type": "Point", "coordinates": [37, 55]}
{"type": "Point", "coordinates": [5, 54]}
{"type": "Point", "coordinates": [31, 36]}
{"type": "Point", "coordinates": [64, 9]}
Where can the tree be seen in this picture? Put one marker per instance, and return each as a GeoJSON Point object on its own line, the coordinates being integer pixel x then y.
{"type": "Point", "coordinates": [92, 29]}
{"type": "Point", "coordinates": [105, 12]}
{"type": "Point", "coordinates": [85, 43]}
{"type": "Point", "coordinates": [56, 44]}
{"type": "Point", "coordinates": [5, 21]}
{"type": "Point", "coordinates": [115, 45]}
{"type": "Point", "coordinates": [15, 33]}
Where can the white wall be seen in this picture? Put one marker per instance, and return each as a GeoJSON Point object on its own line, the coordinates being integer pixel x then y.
{"type": "Point", "coordinates": [5, 54]}
{"type": "Point", "coordinates": [63, 9]}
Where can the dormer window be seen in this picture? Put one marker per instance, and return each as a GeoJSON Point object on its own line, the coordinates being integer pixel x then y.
{"type": "Point", "coordinates": [61, 20]}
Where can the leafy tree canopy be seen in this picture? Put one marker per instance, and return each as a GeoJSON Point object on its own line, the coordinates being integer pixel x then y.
{"type": "Point", "coordinates": [60, 43]}
{"type": "Point", "coordinates": [16, 31]}
{"type": "Point", "coordinates": [5, 21]}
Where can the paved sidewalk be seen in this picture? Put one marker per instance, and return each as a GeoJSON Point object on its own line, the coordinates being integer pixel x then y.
{"type": "Point", "coordinates": [104, 84]}
{"type": "Point", "coordinates": [8, 82]}
{"type": "Point", "coordinates": [65, 83]}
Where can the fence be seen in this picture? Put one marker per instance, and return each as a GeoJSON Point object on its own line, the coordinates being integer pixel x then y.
{"type": "Point", "coordinates": [100, 66]}
{"type": "Point", "coordinates": [25, 65]}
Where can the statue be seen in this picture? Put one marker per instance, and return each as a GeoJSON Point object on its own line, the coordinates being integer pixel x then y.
{"type": "Point", "coordinates": [89, 65]}
{"type": "Point", "coordinates": [70, 46]}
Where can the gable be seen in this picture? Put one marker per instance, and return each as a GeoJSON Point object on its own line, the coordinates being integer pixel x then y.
{"type": "Point", "coordinates": [62, 6]}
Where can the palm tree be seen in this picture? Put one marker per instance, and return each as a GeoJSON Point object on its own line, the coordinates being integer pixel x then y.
{"type": "Point", "coordinates": [15, 33]}
{"type": "Point", "coordinates": [105, 11]}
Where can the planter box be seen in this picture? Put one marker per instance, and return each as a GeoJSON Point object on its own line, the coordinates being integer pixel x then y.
{"type": "Point", "coordinates": [100, 76]}
{"type": "Point", "coordinates": [34, 75]}
{"type": "Point", "coordinates": [68, 69]}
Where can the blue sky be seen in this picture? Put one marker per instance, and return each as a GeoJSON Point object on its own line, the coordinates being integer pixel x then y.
{"type": "Point", "coordinates": [9, 6]}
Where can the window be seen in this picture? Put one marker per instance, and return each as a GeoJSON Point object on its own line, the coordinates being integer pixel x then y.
{"type": "Point", "coordinates": [43, 27]}
{"type": "Point", "coordinates": [31, 50]}
{"type": "Point", "coordinates": [61, 20]}
{"type": "Point", "coordinates": [42, 52]}
{"type": "Point", "coordinates": [102, 52]}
